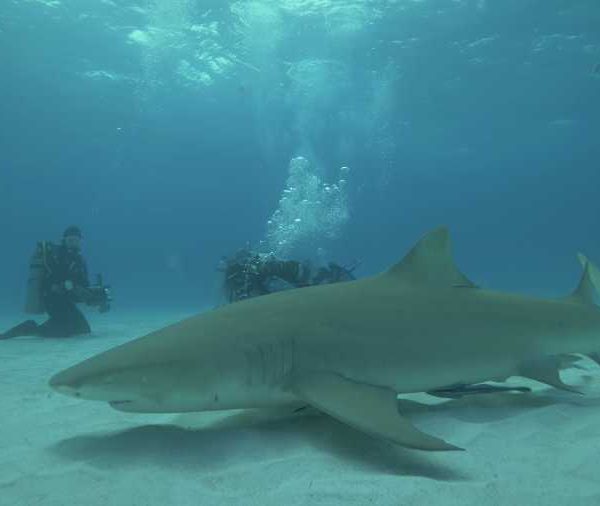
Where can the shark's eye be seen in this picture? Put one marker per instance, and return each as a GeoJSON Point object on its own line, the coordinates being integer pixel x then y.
{"type": "Point", "coordinates": [110, 379]}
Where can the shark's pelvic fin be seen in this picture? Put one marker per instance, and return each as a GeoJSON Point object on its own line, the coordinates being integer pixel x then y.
{"type": "Point", "coordinates": [365, 407]}
{"type": "Point", "coordinates": [546, 371]}
{"type": "Point", "coordinates": [567, 360]}
{"type": "Point", "coordinates": [430, 262]}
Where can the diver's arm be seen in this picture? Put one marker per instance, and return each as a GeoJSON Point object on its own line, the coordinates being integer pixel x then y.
{"type": "Point", "coordinates": [84, 279]}
{"type": "Point", "coordinates": [77, 282]}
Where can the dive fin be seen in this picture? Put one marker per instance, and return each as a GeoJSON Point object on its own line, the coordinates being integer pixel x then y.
{"type": "Point", "coordinates": [546, 371]}
{"type": "Point", "coordinates": [430, 262]}
{"type": "Point", "coordinates": [371, 409]}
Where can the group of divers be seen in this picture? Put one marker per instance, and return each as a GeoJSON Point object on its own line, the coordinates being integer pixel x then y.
{"type": "Point", "coordinates": [58, 281]}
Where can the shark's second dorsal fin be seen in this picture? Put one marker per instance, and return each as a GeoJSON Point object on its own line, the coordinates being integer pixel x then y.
{"type": "Point", "coordinates": [594, 272]}
{"type": "Point", "coordinates": [430, 262]}
{"type": "Point", "coordinates": [585, 291]}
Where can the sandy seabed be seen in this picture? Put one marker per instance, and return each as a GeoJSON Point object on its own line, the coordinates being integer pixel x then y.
{"type": "Point", "coordinates": [532, 449]}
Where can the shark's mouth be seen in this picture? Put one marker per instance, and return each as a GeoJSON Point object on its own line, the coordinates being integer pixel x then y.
{"type": "Point", "coordinates": [116, 404]}
{"type": "Point", "coordinates": [137, 406]}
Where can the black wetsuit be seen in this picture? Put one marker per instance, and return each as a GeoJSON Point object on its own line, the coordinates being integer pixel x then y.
{"type": "Point", "coordinates": [65, 319]}
{"type": "Point", "coordinates": [250, 275]}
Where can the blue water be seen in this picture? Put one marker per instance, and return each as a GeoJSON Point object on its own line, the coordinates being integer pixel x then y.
{"type": "Point", "coordinates": [165, 130]}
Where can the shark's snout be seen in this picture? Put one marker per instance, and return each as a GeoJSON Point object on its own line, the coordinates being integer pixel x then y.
{"type": "Point", "coordinates": [67, 390]}
{"type": "Point", "coordinates": [107, 377]}
{"type": "Point", "coordinates": [123, 383]}
{"type": "Point", "coordinates": [65, 383]}
{"type": "Point", "coordinates": [87, 380]}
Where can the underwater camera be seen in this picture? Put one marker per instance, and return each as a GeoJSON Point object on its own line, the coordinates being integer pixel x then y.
{"type": "Point", "coordinates": [99, 295]}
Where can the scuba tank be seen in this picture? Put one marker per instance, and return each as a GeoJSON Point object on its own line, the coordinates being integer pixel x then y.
{"type": "Point", "coordinates": [34, 303]}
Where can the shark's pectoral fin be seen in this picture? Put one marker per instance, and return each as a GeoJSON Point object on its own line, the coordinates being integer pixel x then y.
{"type": "Point", "coordinates": [546, 371]}
{"type": "Point", "coordinates": [371, 409]}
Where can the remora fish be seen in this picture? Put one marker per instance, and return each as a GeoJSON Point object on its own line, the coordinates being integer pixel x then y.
{"type": "Point", "coordinates": [348, 349]}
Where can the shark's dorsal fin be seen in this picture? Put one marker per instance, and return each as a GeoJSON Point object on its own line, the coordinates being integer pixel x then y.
{"type": "Point", "coordinates": [585, 291]}
{"type": "Point", "coordinates": [430, 262]}
{"type": "Point", "coordinates": [593, 271]}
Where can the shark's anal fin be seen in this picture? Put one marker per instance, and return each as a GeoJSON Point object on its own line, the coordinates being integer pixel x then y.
{"type": "Point", "coordinates": [595, 356]}
{"type": "Point", "coordinates": [371, 409]}
{"type": "Point", "coordinates": [546, 371]}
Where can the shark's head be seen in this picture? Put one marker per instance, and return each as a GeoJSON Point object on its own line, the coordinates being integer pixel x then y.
{"type": "Point", "coordinates": [152, 379]}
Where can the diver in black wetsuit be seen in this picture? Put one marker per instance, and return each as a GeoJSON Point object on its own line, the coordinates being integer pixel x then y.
{"type": "Point", "coordinates": [65, 283]}
{"type": "Point", "coordinates": [249, 274]}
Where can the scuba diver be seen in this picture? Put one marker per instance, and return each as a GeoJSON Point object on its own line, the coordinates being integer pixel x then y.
{"type": "Point", "coordinates": [58, 281]}
{"type": "Point", "coordinates": [249, 274]}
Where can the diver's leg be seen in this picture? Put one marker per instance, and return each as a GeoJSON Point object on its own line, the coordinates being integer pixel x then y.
{"type": "Point", "coordinates": [54, 305]}
{"type": "Point", "coordinates": [65, 319]}
{"type": "Point", "coordinates": [27, 328]}
{"type": "Point", "coordinates": [79, 323]}
{"type": "Point", "coordinates": [51, 328]}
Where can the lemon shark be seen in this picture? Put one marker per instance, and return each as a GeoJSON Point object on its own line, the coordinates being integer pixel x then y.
{"type": "Point", "coordinates": [349, 349]}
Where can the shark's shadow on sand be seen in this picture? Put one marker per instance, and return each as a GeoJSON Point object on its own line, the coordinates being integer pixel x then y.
{"type": "Point", "coordinates": [280, 434]}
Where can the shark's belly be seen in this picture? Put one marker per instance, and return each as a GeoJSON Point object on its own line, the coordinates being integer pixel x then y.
{"type": "Point", "coordinates": [416, 361]}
